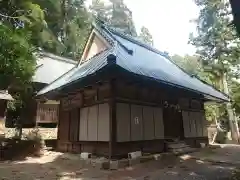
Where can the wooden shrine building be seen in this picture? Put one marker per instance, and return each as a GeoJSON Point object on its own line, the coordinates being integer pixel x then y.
{"type": "Point", "coordinates": [126, 96]}
{"type": "Point", "coordinates": [49, 68]}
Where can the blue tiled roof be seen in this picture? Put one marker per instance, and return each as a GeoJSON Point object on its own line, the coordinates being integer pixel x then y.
{"type": "Point", "coordinates": [51, 67]}
{"type": "Point", "coordinates": [89, 67]}
{"type": "Point", "coordinates": [138, 58]}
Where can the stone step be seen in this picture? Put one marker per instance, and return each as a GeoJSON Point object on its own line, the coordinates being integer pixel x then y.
{"type": "Point", "coordinates": [176, 146]}
{"type": "Point", "coordinates": [183, 150]}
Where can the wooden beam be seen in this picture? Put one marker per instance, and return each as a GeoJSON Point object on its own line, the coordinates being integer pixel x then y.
{"type": "Point", "coordinates": [112, 123]}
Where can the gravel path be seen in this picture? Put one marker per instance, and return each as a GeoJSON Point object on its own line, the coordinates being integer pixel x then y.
{"type": "Point", "coordinates": [55, 165]}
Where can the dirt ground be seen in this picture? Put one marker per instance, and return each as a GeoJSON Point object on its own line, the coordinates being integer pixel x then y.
{"type": "Point", "coordinates": [208, 164]}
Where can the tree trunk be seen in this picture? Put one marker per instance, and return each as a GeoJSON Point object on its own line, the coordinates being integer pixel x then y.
{"type": "Point", "coordinates": [232, 119]}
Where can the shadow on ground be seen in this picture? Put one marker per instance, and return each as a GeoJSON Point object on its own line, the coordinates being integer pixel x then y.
{"type": "Point", "coordinates": [55, 165]}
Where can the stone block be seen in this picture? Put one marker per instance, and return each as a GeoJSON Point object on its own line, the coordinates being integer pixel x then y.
{"type": "Point", "coordinates": [133, 155]}
{"type": "Point", "coordinates": [85, 155]}
{"type": "Point", "coordinates": [157, 157]}
{"type": "Point", "coordinates": [113, 165]}
{"type": "Point", "coordinates": [99, 163]}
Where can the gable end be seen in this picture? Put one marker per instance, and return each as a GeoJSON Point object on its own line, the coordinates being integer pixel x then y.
{"type": "Point", "coordinates": [95, 44]}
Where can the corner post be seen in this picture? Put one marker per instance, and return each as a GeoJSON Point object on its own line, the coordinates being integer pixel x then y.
{"type": "Point", "coordinates": [112, 123]}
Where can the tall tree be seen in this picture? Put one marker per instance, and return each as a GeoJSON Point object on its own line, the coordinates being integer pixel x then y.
{"type": "Point", "coordinates": [68, 26]}
{"type": "Point", "coordinates": [146, 36]}
{"type": "Point", "coordinates": [18, 20]}
{"type": "Point", "coordinates": [116, 14]}
{"type": "Point", "coordinates": [122, 18]}
{"type": "Point", "coordinates": [189, 63]}
{"type": "Point", "coordinates": [100, 10]}
{"type": "Point", "coordinates": [217, 46]}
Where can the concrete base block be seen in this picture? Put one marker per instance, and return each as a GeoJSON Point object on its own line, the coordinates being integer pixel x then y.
{"type": "Point", "coordinates": [99, 163]}
{"type": "Point", "coordinates": [134, 161]}
{"type": "Point", "coordinates": [134, 155]}
{"type": "Point", "coordinates": [114, 165]}
{"type": "Point", "coordinates": [203, 145]}
{"type": "Point", "coordinates": [157, 157]}
{"type": "Point", "coordinates": [85, 155]}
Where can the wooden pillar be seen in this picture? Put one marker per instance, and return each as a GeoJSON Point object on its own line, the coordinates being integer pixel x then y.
{"type": "Point", "coordinates": [60, 109]}
{"type": "Point", "coordinates": [112, 124]}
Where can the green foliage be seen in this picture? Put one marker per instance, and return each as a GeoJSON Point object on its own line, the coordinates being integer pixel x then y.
{"type": "Point", "coordinates": [235, 93]}
{"type": "Point", "coordinates": [189, 63]}
{"type": "Point", "coordinates": [146, 36]}
{"type": "Point", "coordinates": [218, 49]}
{"type": "Point", "coordinates": [16, 57]}
{"type": "Point", "coordinates": [192, 66]}
{"type": "Point", "coordinates": [68, 26]}
{"type": "Point", "coordinates": [216, 42]}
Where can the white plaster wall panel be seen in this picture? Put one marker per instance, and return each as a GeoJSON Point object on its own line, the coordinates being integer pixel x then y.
{"type": "Point", "coordinates": [192, 124]}
{"type": "Point", "coordinates": [97, 46]}
{"type": "Point", "coordinates": [148, 123]}
{"type": "Point", "coordinates": [195, 119]}
{"type": "Point", "coordinates": [123, 122]}
{"type": "Point", "coordinates": [83, 125]}
{"type": "Point", "coordinates": [186, 125]}
{"type": "Point", "coordinates": [93, 123]}
{"type": "Point", "coordinates": [103, 122]}
{"type": "Point", "coordinates": [158, 122]}
{"type": "Point", "coordinates": [136, 123]}
{"type": "Point", "coordinates": [199, 124]}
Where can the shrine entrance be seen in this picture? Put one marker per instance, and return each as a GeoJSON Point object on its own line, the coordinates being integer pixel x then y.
{"type": "Point", "coordinates": [173, 123]}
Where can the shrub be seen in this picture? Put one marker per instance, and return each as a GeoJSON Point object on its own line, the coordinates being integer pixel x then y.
{"type": "Point", "coordinates": [37, 141]}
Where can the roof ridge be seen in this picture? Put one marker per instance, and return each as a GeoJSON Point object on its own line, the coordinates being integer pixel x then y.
{"type": "Point", "coordinates": [135, 41]}
{"type": "Point", "coordinates": [57, 57]}
{"type": "Point", "coordinates": [129, 51]}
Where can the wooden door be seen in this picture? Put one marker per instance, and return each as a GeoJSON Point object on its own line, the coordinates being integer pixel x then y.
{"type": "Point", "coordinates": [173, 123]}
{"type": "Point", "coordinates": [74, 124]}
{"type": "Point", "coordinates": [63, 127]}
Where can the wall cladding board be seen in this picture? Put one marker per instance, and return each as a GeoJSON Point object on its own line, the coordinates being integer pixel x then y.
{"type": "Point", "coordinates": [74, 120]}
{"type": "Point", "coordinates": [123, 122]}
{"type": "Point", "coordinates": [103, 122]}
{"type": "Point", "coordinates": [83, 130]}
{"type": "Point", "coordinates": [148, 123]}
{"type": "Point", "coordinates": [200, 125]}
{"type": "Point", "coordinates": [93, 123]}
{"type": "Point", "coordinates": [194, 124]}
{"type": "Point", "coordinates": [158, 123]}
{"type": "Point", "coordinates": [64, 125]}
{"type": "Point", "coordinates": [136, 123]}
{"type": "Point", "coordinates": [186, 123]}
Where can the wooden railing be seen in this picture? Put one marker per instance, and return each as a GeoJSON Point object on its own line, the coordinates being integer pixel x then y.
{"type": "Point", "coordinates": [47, 113]}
